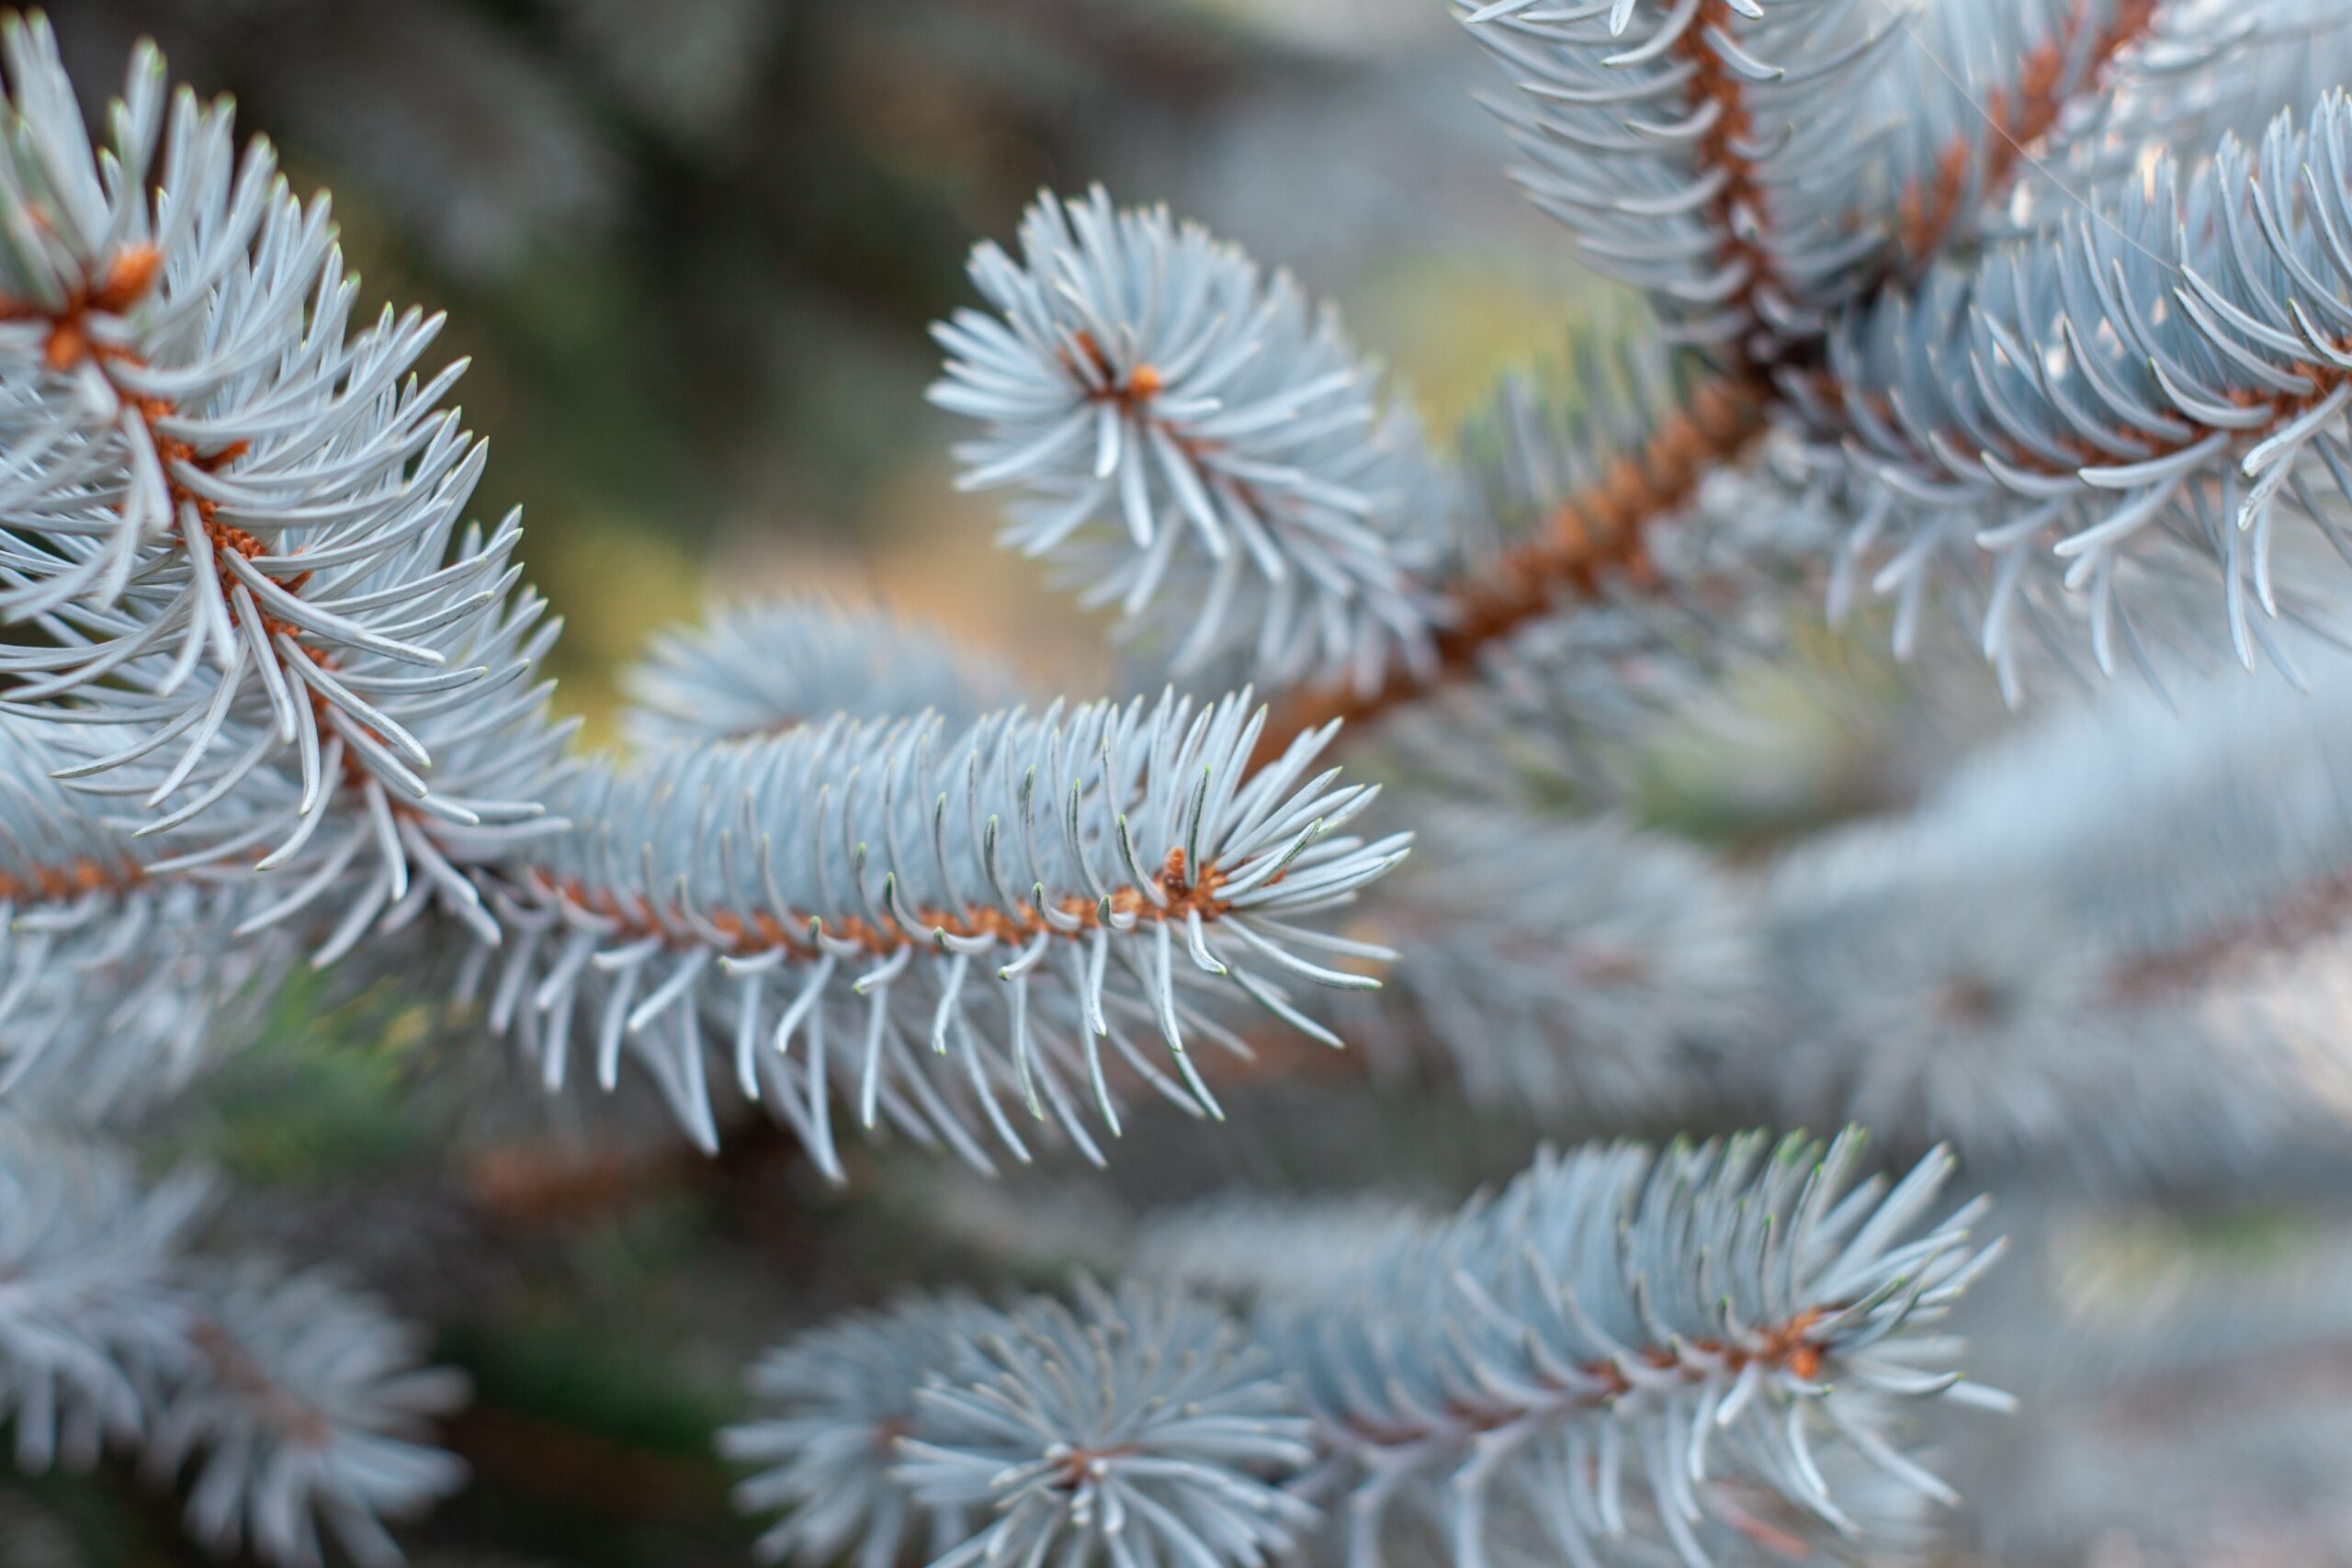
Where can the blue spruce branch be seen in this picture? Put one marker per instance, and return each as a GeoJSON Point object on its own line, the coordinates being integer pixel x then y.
{"type": "Point", "coordinates": [1621, 1336]}
{"type": "Point", "coordinates": [220, 486]}
{"type": "Point", "coordinates": [2202, 70]}
{"type": "Point", "coordinates": [1196, 444]}
{"type": "Point", "coordinates": [115, 984]}
{"type": "Point", "coordinates": [272, 696]}
{"type": "Point", "coordinates": [1139, 1427]}
{"type": "Point", "coordinates": [1754, 164]}
{"type": "Point", "coordinates": [1631, 1350]}
{"type": "Point", "coordinates": [2163, 374]}
{"type": "Point", "coordinates": [930, 921]}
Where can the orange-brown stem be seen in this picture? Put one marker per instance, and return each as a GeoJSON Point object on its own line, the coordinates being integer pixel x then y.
{"type": "Point", "coordinates": [85, 874]}
{"type": "Point", "coordinates": [763, 931]}
{"type": "Point", "coordinates": [127, 277]}
{"type": "Point", "coordinates": [1784, 1347]}
{"type": "Point", "coordinates": [1741, 211]}
{"type": "Point", "coordinates": [1590, 538]}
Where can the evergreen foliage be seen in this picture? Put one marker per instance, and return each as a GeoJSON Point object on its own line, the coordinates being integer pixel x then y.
{"type": "Point", "coordinates": [2031, 317]}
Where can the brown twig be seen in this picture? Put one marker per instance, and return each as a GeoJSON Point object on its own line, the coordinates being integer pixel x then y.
{"type": "Point", "coordinates": [765, 930]}
{"type": "Point", "coordinates": [1780, 1346]}
{"type": "Point", "coordinates": [1741, 211]}
{"type": "Point", "coordinates": [85, 874]}
{"type": "Point", "coordinates": [1592, 535]}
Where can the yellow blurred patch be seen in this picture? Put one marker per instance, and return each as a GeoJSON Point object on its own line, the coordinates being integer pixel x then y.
{"type": "Point", "coordinates": [614, 584]}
